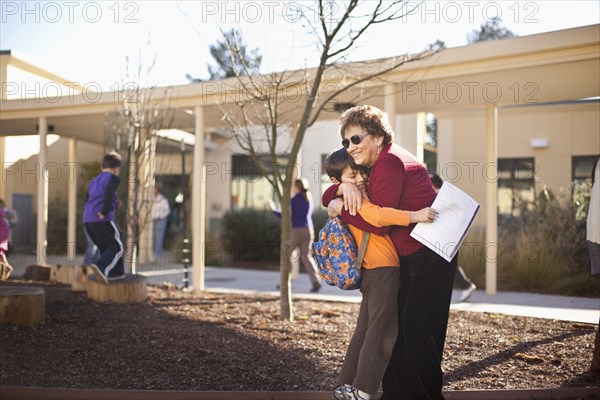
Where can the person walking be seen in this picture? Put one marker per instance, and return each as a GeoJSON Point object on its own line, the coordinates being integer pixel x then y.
{"type": "Point", "coordinates": [160, 213]}
{"type": "Point", "coordinates": [399, 180]}
{"type": "Point", "coordinates": [461, 280]}
{"type": "Point", "coordinates": [302, 234]}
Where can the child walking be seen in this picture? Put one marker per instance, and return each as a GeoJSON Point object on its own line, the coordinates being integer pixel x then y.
{"type": "Point", "coordinates": [376, 329]}
{"type": "Point", "coordinates": [99, 220]}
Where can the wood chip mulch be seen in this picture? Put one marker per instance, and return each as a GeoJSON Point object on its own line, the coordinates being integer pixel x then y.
{"type": "Point", "coordinates": [228, 342]}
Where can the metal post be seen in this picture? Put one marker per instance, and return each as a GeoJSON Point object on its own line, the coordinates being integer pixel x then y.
{"type": "Point", "coordinates": [186, 243]}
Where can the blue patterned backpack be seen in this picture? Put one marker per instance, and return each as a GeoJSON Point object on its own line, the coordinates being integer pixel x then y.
{"type": "Point", "coordinates": [338, 257]}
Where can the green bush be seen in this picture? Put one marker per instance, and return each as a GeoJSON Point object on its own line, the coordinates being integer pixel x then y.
{"type": "Point", "coordinates": [249, 236]}
{"type": "Point", "coordinates": [319, 218]}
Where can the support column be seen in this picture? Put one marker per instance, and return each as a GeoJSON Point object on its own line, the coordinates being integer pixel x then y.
{"type": "Point", "coordinates": [389, 105]}
{"type": "Point", "coordinates": [3, 80]}
{"type": "Point", "coordinates": [421, 134]}
{"type": "Point", "coordinates": [198, 203]}
{"type": "Point", "coordinates": [491, 230]}
{"type": "Point", "coordinates": [42, 193]}
{"type": "Point", "coordinates": [72, 201]}
{"type": "Point", "coordinates": [147, 169]}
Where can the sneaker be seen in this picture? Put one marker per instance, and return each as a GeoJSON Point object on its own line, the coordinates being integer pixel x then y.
{"type": "Point", "coordinates": [465, 294]}
{"type": "Point", "coordinates": [116, 277]}
{"type": "Point", "coordinates": [341, 393]}
{"type": "Point", "coordinates": [348, 392]}
{"type": "Point", "coordinates": [99, 274]}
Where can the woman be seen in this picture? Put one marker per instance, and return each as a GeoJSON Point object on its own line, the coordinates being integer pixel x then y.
{"type": "Point", "coordinates": [398, 180]}
{"type": "Point", "coordinates": [302, 234]}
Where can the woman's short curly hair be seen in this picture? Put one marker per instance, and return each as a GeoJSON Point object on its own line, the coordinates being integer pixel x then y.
{"type": "Point", "coordinates": [372, 119]}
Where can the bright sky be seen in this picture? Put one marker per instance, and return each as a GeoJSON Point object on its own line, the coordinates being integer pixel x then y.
{"type": "Point", "coordinates": [88, 41]}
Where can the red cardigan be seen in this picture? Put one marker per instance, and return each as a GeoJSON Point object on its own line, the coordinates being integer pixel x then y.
{"type": "Point", "coordinates": [397, 180]}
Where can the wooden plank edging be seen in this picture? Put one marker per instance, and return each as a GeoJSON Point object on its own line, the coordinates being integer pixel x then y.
{"type": "Point", "coordinates": [22, 393]}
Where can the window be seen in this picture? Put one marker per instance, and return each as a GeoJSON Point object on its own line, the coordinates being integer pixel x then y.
{"type": "Point", "coordinates": [516, 185]}
{"type": "Point", "coordinates": [249, 189]}
{"type": "Point", "coordinates": [581, 169]}
{"type": "Point", "coordinates": [430, 145]}
{"type": "Point", "coordinates": [432, 131]}
{"type": "Point", "coordinates": [325, 181]}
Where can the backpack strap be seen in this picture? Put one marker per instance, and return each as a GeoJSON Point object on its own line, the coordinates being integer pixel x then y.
{"type": "Point", "coordinates": [362, 250]}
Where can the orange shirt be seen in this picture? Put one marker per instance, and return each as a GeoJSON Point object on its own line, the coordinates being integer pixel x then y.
{"type": "Point", "coordinates": [380, 249]}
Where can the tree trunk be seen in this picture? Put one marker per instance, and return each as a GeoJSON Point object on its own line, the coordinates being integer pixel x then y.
{"type": "Point", "coordinates": [131, 289]}
{"type": "Point", "coordinates": [21, 305]}
{"type": "Point", "coordinates": [64, 274]}
{"type": "Point", "coordinates": [285, 303]}
{"type": "Point", "coordinates": [79, 283]}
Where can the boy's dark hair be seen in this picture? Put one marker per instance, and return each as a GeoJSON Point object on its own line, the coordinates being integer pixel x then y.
{"type": "Point", "coordinates": [437, 181]}
{"type": "Point", "coordinates": [111, 160]}
{"type": "Point", "coordinates": [337, 161]}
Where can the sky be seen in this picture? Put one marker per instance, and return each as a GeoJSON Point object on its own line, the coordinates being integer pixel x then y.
{"type": "Point", "coordinates": [90, 42]}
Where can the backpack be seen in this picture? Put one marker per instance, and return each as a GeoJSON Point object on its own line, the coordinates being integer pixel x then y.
{"type": "Point", "coordinates": [338, 257]}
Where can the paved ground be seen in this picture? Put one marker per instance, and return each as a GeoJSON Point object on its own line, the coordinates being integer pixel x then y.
{"type": "Point", "coordinates": [222, 279]}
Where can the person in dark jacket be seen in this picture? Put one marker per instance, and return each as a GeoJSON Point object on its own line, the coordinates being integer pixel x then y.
{"type": "Point", "coordinates": [99, 220]}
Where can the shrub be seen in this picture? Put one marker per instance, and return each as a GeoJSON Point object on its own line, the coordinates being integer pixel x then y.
{"type": "Point", "coordinates": [250, 236]}
{"type": "Point", "coordinates": [319, 218]}
{"type": "Point", "coordinates": [543, 250]}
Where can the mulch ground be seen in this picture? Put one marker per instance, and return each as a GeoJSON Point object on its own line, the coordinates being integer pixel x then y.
{"type": "Point", "coordinates": [227, 342]}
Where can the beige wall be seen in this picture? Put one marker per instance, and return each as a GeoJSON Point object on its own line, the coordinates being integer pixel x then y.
{"type": "Point", "coordinates": [23, 175]}
{"type": "Point", "coordinates": [571, 129]}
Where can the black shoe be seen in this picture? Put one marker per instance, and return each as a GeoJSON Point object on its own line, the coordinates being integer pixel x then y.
{"type": "Point", "coordinates": [315, 288]}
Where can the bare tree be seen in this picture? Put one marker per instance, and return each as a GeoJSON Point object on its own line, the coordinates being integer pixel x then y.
{"type": "Point", "coordinates": [287, 103]}
{"type": "Point", "coordinates": [133, 130]}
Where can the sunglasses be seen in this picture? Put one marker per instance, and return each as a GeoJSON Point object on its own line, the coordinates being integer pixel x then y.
{"type": "Point", "coordinates": [356, 139]}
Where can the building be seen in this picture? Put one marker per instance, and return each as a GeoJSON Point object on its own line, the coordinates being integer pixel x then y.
{"type": "Point", "coordinates": [499, 119]}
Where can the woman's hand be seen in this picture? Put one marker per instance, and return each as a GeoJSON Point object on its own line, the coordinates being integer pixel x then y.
{"type": "Point", "coordinates": [335, 207]}
{"type": "Point", "coordinates": [352, 197]}
{"type": "Point", "coordinates": [426, 214]}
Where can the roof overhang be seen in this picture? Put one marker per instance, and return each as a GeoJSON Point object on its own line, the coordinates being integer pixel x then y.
{"type": "Point", "coordinates": [549, 67]}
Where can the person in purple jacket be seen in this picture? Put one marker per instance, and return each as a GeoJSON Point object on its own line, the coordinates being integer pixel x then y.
{"type": "Point", "coordinates": [99, 220]}
{"type": "Point", "coordinates": [302, 234]}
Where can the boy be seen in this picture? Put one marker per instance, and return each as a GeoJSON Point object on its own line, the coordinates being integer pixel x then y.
{"type": "Point", "coordinates": [371, 346]}
{"type": "Point", "coordinates": [99, 220]}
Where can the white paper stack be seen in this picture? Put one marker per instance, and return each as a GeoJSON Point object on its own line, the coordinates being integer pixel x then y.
{"type": "Point", "coordinates": [456, 212]}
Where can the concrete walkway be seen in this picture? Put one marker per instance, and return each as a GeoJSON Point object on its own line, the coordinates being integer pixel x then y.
{"type": "Point", "coordinates": [235, 280]}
